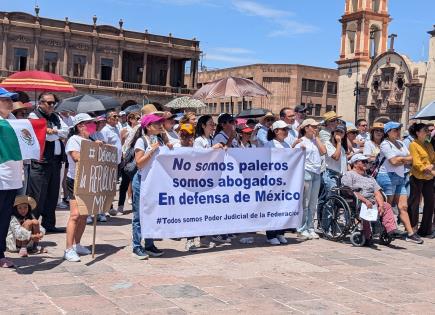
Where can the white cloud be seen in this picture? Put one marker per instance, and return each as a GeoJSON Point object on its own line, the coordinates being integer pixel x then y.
{"type": "Point", "coordinates": [281, 18]}
{"type": "Point", "coordinates": [230, 59]}
{"type": "Point", "coordinates": [234, 50]}
{"type": "Point", "coordinates": [256, 9]}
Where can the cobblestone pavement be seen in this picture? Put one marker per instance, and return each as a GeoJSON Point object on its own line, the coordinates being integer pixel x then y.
{"type": "Point", "coordinates": [313, 277]}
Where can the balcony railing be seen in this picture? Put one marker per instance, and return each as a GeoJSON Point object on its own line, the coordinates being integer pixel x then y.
{"type": "Point", "coordinates": [144, 88]}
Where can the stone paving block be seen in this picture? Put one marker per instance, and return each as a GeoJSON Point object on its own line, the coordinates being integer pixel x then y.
{"type": "Point", "coordinates": [361, 262]}
{"type": "Point", "coordinates": [178, 291]}
{"type": "Point", "coordinates": [87, 305]}
{"type": "Point", "coordinates": [145, 302]}
{"type": "Point", "coordinates": [321, 306]}
{"type": "Point", "coordinates": [67, 290]}
{"type": "Point", "coordinates": [202, 304]}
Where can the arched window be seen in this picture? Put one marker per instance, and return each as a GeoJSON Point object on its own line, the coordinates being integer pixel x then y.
{"type": "Point", "coordinates": [351, 39]}
{"type": "Point", "coordinates": [375, 37]}
{"type": "Point", "coordinates": [354, 6]}
{"type": "Point", "coordinates": [376, 5]}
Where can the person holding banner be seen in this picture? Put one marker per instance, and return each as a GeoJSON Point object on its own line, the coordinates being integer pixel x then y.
{"type": "Point", "coordinates": [83, 127]}
{"type": "Point", "coordinates": [226, 131]}
{"type": "Point", "coordinates": [146, 142]}
{"type": "Point", "coordinates": [204, 133]}
{"type": "Point", "coordinates": [310, 141]}
{"type": "Point", "coordinates": [10, 180]}
{"type": "Point", "coordinates": [276, 136]}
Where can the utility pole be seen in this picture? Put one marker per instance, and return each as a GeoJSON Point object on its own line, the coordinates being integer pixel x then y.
{"type": "Point", "coordinates": [356, 92]}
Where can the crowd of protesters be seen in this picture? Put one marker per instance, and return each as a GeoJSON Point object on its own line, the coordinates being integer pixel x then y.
{"type": "Point", "coordinates": [370, 160]}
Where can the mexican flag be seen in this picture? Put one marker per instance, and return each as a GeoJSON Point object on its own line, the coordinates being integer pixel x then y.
{"type": "Point", "coordinates": [22, 139]}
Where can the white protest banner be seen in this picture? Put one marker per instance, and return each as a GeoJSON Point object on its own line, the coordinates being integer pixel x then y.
{"type": "Point", "coordinates": [193, 192]}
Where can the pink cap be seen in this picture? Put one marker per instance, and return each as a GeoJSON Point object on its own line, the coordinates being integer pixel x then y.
{"type": "Point", "coordinates": [149, 119]}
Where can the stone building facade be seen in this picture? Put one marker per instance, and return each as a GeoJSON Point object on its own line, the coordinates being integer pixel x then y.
{"type": "Point", "coordinates": [289, 84]}
{"type": "Point", "coordinates": [376, 82]}
{"type": "Point", "coordinates": [102, 59]}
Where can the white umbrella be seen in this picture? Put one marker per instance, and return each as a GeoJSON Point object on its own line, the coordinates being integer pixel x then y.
{"type": "Point", "coordinates": [427, 112]}
{"type": "Point", "coordinates": [185, 102]}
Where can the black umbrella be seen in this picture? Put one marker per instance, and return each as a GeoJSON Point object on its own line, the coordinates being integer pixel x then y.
{"type": "Point", "coordinates": [87, 103]}
{"type": "Point", "coordinates": [253, 113]}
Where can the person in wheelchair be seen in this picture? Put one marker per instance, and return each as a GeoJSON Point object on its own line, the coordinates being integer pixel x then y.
{"type": "Point", "coordinates": [367, 190]}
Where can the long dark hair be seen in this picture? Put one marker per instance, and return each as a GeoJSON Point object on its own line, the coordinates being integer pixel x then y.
{"type": "Point", "coordinates": [139, 133]}
{"type": "Point", "coordinates": [343, 140]}
{"type": "Point", "coordinates": [270, 134]}
{"type": "Point", "coordinates": [201, 121]}
{"type": "Point", "coordinates": [416, 127]}
{"type": "Point", "coordinates": [21, 218]}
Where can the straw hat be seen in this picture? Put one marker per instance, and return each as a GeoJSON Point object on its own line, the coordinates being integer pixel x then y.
{"type": "Point", "coordinates": [377, 125]}
{"type": "Point", "coordinates": [25, 199]}
{"type": "Point", "coordinates": [20, 105]}
{"type": "Point", "coordinates": [330, 115]}
{"type": "Point", "coordinates": [150, 109]}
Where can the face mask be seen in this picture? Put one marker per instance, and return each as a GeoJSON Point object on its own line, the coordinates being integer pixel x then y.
{"type": "Point", "coordinates": [91, 128]}
{"type": "Point", "coordinates": [428, 139]}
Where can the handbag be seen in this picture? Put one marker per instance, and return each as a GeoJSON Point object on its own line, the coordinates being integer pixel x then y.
{"type": "Point", "coordinates": [130, 167]}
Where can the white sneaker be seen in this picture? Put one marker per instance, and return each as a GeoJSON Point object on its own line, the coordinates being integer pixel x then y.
{"type": "Point", "coordinates": [304, 235]}
{"type": "Point", "coordinates": [81, 250]}
{"type": "Point", "coordinates": [89, 219]}
{"type": "Point", "coordinates": [282, 239]}
{"type": "Point", "coordinates": [274, 241]}
{"type": "Point", "coordinates": [71, 255]}
{"type": "Point", "coordinates": [102, 217]}
{"type": "Point", "coordinates": [314, 235]}
{"type": "Point", "coordinates": [190, 246]}
{"type": "Point", "coordinates": [113, 212]}
{"type": "Point", "coordinates": [120, 210]}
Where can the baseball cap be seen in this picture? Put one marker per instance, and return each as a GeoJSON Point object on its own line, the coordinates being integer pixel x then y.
{"type": "Point", "coordinates": [122, 113]}
{"type": "Point", "coordinates": [188, 128]}
{"type": "Point", "coordinates": [341, 128]}
{"type": "Point", "coordinates": [149, 119]}
{"type": "Point", "coordinates": [101, 118]}
{"type": "Point", "coordinates": [308, 122]}
{"type": "Point", "coordinates": [6, 94]}
{"type": "Point", "coordinates": [391, 125]}
{"type": "Point", "coordinates": [358, 157]}
{"type": "Point", "coordinates": [300, 109]}
{"type": "Point", "coordinates": [279, 124]}
{"type": "Point", "coordinates": [82, 117]}
{"type": "Point", "coordinates": [247, 130]}
{"type": "Point", "coordinates": [224, 118]}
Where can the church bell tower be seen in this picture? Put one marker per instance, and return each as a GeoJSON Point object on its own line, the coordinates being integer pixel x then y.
{"type": "Point", "coordinates": [364, 36]}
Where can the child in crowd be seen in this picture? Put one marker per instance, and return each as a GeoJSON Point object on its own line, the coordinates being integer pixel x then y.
{"type": "Point", "coordinates": [25, 232]}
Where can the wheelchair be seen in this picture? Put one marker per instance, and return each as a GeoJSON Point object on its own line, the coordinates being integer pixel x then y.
{"type": "Point", "coordinates": [339, 218]}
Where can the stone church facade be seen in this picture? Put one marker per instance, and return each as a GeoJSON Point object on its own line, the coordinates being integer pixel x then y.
{"type": "Point", "coordinates": [375, 81]}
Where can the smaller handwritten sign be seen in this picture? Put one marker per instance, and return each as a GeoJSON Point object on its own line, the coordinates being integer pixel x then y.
{"type": "Point", "coordinates": [96, 177]}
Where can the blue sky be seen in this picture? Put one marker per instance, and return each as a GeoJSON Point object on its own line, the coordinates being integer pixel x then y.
{"type": "Point", "coordinates": [239, 32]}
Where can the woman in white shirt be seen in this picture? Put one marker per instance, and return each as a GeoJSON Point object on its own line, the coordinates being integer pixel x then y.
{"type": "Point", "coordinates": [276, 136]}
{"type": "Point", "coordinates": [391, 176]}
{"type": "Point", "coordinates": [146, 142]}
{"type": "Point", "coordinates": [308, 132]}
{"type": "Point", "coordinates": [204, 132]}
{"type": "Point", "coordinates": [83, 127]}
{"type": "Point", "coordinates": [372, 147]}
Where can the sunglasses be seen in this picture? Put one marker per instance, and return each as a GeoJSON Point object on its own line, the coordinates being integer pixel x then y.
{"type": "Point", "coordinates": [270, 119]}
{"type": "Point", "coordinates": [333, 120]}
{"type": "Point", "coordinates": [365, 162]}
{"type": "Point", "coordinates": [49, 103]}
{"type": "Point", "coordinates": [378, 130]}
{"type": "Point", "coordinates": [114, 116]}
{"type": "Point", "coordinates": [363, 125]}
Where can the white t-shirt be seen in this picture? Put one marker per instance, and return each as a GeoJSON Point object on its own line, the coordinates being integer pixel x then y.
{"type": "Point", "coordinates": [173, 137]}
{"type": "Point", "coordinates": [221, 137]}
{"type": "Point", "coordinates": [363, 137]}
{"type": "Point", "coordinates": [389, 150]}
{"type": "Point", "coordinates": [313, 160]}
{"type": "Point", "coordinates": [73, 144]}
{"type": "Point", "coordinates": [202, 142]}
{"type": "Point", "coordinates": [276, 144]}
{"type": "Point", "coordinates": [11, 172]}
{"type": "Point", "coordinates": [111, 136]}
{"type": "Point", "coordinates": [145, 147]}
{"type": "Point", "coordinates": [339, 165]}
{"type": "Point", "coordinates": [371, 149]}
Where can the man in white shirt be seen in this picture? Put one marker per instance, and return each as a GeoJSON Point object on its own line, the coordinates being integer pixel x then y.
{"type": "Point", "coordinates": [363, 131]}
{"type": "Point", "coordinates": [288, 116]}
{"type": "Point", "coordinates": [300, 114]}
{"type": "Point", "coordinates": [44, 175]}
{"type": "Point", "coordinates": [10, 180]}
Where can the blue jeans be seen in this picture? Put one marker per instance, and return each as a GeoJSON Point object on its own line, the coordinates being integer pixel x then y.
{"type": "Point", "coordinates": [392, 184]}
{"type": "Point", "coordinates": [135, 222]}
{"type": "Point", "coordinates": [324, 211]}
{"type": "Point", "coordinates": [311, 196]}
